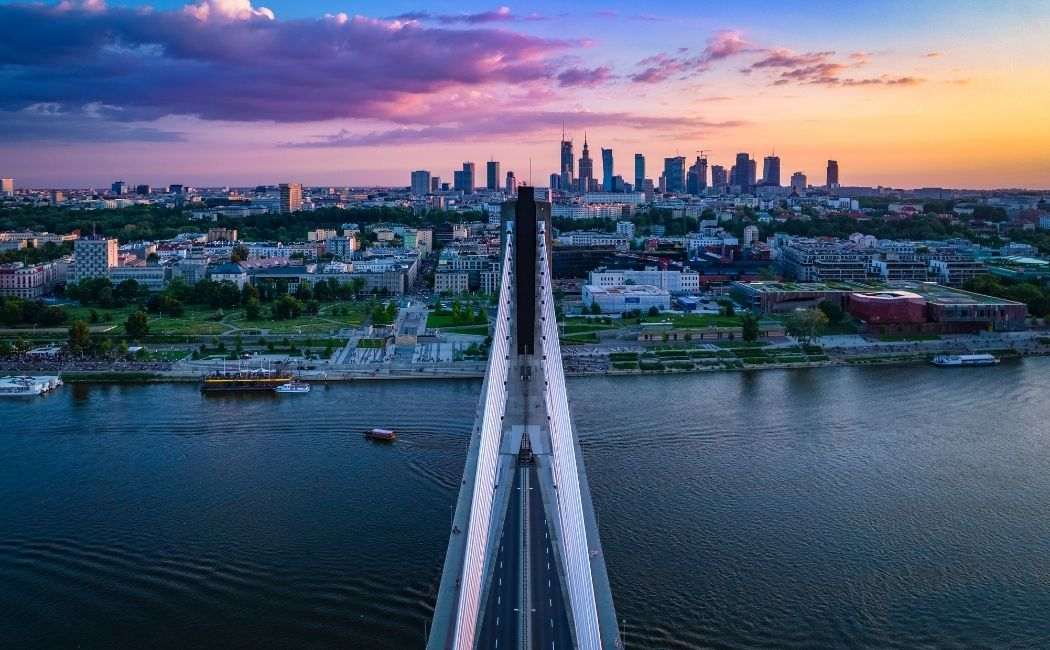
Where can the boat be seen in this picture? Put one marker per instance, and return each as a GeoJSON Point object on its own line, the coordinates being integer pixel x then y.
{"type": "Point", "coordinates": [25, 385]}
{"type": "Point", "coordinates": [245, 380]}
{"type": "Point", "coordinates": [955, 360]}
{"type": "Point", "coordinates": [293, 387]}
{"type": "Point", "coordinates": [382, 435]}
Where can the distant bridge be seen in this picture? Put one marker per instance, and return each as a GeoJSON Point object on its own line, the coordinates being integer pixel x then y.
{"type": "Point", "coordinates": [524, 567]}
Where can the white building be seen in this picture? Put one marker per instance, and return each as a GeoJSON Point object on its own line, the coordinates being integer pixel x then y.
{"type": "Point", "coordinates": [617, 300]}
{"type": "Point", "coordinates": [625, 228]}
{"type": "Point", "coordinates": [670, 281]}
{"type": "Point", "coordinates": [750, 235]}
{"type": "Point", "coordinates": [452, 282]}
{"type": "Point", "coordinates": [151, 277]}
{"type": "Point", "coordinates": [589, 239]}
{"type": "Point", "coordinates": [93, 257]}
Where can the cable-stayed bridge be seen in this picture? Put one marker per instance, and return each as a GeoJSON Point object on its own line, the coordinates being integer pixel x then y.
{"type": "Point", "coordinates": [524, 567]}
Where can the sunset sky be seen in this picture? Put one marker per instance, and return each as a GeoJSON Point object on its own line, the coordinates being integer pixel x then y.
{"type": "Point", "coordinates": [902, 93]}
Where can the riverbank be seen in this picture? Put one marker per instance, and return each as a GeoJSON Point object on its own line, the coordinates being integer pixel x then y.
{"type": "Point", "coordinates": [678, 364]}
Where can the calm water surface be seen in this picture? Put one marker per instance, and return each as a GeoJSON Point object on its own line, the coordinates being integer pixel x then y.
{"type": "Point", "coordinates": [894, 507]}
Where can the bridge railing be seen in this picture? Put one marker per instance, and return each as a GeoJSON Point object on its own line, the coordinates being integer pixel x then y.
{"type": "Point", "coordinates": [494, 402]}
{"type": "Point", "coordinates": [574, 546]}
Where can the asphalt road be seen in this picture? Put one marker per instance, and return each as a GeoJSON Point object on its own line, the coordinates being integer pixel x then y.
{"type": "Point", "coordinates": [550, 629]}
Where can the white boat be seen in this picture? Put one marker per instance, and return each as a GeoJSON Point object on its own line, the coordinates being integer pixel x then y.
{"type": "Point", "coordinates": [953, 360]}
{"type": "Point", "coordinates": [23, 385]}
{"type": "Point", "coordinates": [293, 387]}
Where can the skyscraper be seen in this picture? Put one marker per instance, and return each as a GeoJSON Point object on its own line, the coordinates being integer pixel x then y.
{"type": "Point", "coordinates": [291, 197]}
{"type": "Point", "coordinates": [718, 177]}
{"type": "Point", "coordinates": [586, 167]}
{"type": "Point", "coordinates": [798, 182]}
{"type": "Point", "coordinates": [568, 163]}
{"type": "Point", "coordinates": [674, 174]}
{"type": "Point", "coordinates": [741, 173]}
{"type": "Point", "coordinates": [420, 182]}
{"type": "Point", "coordinates": [463, 180]}
{"type": "Point", "coordinates": [752, 173]}
{"type": "Point", "coordinates": [771, 171]}
{"type": "Point", "coordinates": [833, 174]}
{"type": "Point", "coordinates": [7, 186]}
{"type": "Point", "coordinates": [119, 188]}
{"type": "Point", "coordinates": [639, 172]}
{"type": "Point", "coordinates": [607, 170]}
{"type": "Point", "coordinates": [435, 183]}
{"type": "Point", "coordinates": [511, 188]}
{"type": "Point", "coordinates": [492, 175]}
{"type": "Point", "coordinates": [696, 179]}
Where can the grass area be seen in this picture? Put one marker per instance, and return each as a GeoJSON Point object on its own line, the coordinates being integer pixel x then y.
{"type": "Point", "coordinates": [331, 318]}
{"type": "Point", "coordinates": [198, 321]}
{"type": "Point", "coordinates": [583, 328]}
{"type": "Point", "coordinates": [479, 330]}
{"type": "Point", "coordinates": [695, 320]}
{"type": "Point", "coordinates": [625, 365]}
{"type": "Point", "coordinates": [442, 318]}
{"type": "Point", "coordinates": [371, 343]}
{"type": "Point", "coordinates": [623, 356]}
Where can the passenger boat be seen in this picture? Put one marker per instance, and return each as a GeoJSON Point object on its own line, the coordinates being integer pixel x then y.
{"type": "Point", "coordinates": [953, 360]}
{"type": "Point", "coordinates": [293, 387]}
{"type": "Point", "coordinates": [25, 385]}
{"type": "Point", "coordinates": [382, 435]}
{"type": "Point", "coordinates": [244, 379]}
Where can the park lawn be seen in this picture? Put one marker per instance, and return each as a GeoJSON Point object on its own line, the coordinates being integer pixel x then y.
{"type": "Point", "coordinates": [582, 328]}
{"type": "Point", "coordinates": [371, 343]}
{"type": "Point", "coordinates": [479, 330]}
{"type": "Point", "coordinates": [354, 312]}
{"type": "Point", "coordinates": [117, 316]}
{"type": "Point", "coordinates": [195, 320]}
{"type": "Point", "coordinates": [695, 320]}
{"type": "Point", "coordinates": [437, 320]}
{"type": "Point", "coordinates": [325, 322]}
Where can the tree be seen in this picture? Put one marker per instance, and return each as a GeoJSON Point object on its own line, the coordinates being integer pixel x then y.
{"type": "Point", "coordinates": [79, 337]}
{"type": "Point", "coordinates": [251, 309]}
{"type": "Point", "coordinates": [749, 323]}
{"type": "Point", "coordinates": [137, 326]}
{"type": "Point", "coordinates": [653, 311]}
{"type": "Point", "coordinates": [805, 324]}
{"type": "Point", "coordinates": [6, 349]}
{"type": "Point", "coordinates": [727, 307]}
{"type": "Point", "coordinates": [832, 310]}
{"type": "Point", "coordinates": [286, 307]}
{"type": "Point", "coordinates": [239, 253]}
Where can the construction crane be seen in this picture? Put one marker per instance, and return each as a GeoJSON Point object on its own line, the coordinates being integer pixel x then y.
{"type": "Point", "coordinates": [703, 153]}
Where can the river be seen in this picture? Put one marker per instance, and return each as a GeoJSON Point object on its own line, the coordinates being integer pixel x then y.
{"type": "Point", "coordinates": [878, 507]}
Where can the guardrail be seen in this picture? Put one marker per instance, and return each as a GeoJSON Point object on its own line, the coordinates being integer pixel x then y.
{"type": "Point", "coordinates": [573, 542]}
{"type": "Point", "coordinates": [494, 406]}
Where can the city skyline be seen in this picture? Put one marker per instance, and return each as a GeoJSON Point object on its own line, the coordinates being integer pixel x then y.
{"type": "Point", "coordinates": [224, 92]}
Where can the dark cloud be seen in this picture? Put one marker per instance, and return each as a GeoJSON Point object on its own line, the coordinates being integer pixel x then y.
{"type": "Point", "coordinates": [54, 123]}
{"type": "Point", "coordinates": [509, 124]}
{"type": "Point", "coordinates": [585, 77]}
{"type": "Point", "coordinates": [239, 64]}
